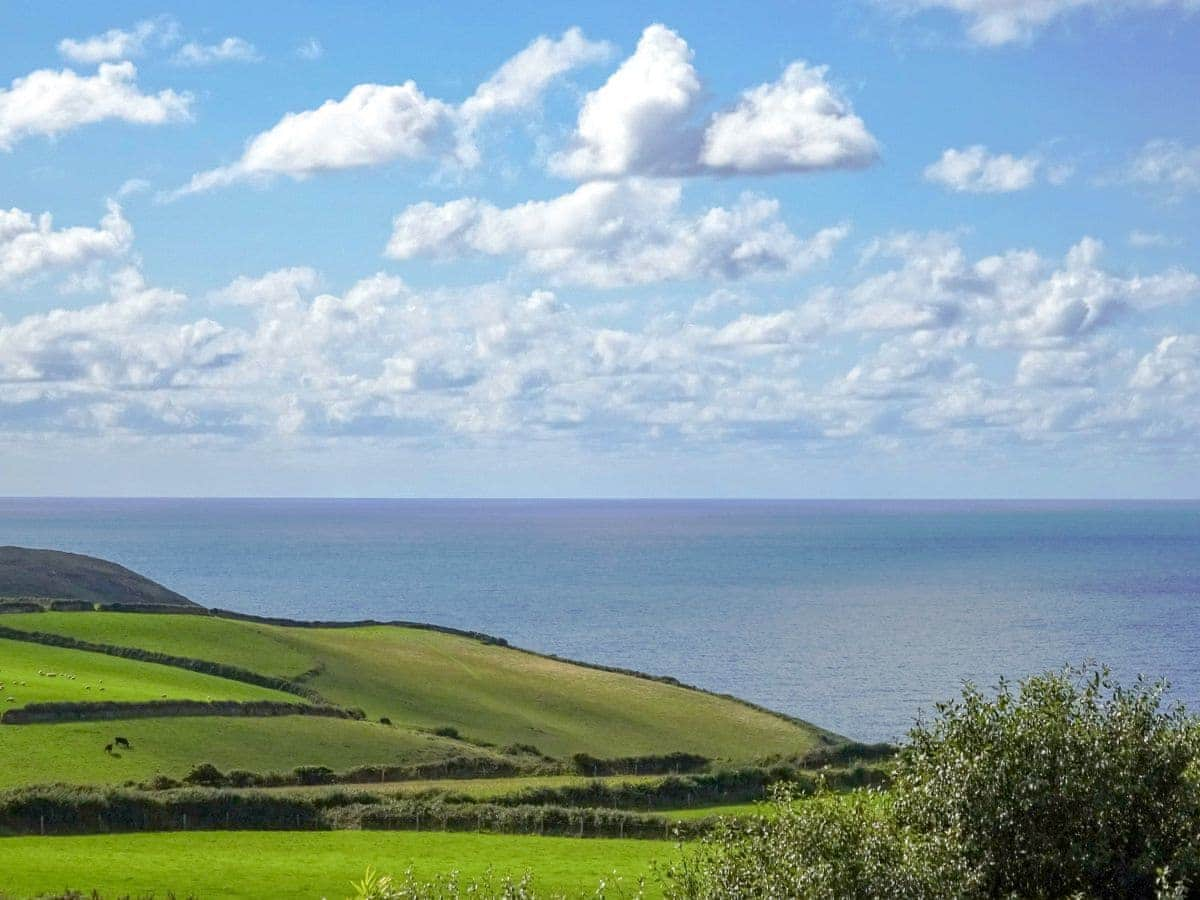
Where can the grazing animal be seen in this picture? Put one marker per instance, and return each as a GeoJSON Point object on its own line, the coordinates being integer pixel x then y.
{"type": "Point", "coordinates": [108, 749]}
{"type": "Point", "coordinates": [122, 742]}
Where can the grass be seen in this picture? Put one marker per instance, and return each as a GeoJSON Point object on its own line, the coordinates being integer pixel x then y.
{"type": "Point", "coordinates": [426, 679]}
{"type": "Point", "coordinates": [475, 788]}
{"type": "Point", "coordinates": [34, 673]}
{"type": "Point", "coordinates": [74, 752]}
{"type": "Point", "coordinates": [309, 864]}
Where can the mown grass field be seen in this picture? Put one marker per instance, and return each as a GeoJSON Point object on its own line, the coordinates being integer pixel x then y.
{"type": "Point", "coordinates": [74, 752]}
{"type": "Point", "coordinates": [34, 673]}
{"type": "Point", "coordinates": [309, 865]}
{"type": "Point", "coordinates": [427, 679]}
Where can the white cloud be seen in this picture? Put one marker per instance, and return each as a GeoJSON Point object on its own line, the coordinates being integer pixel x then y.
{"type": "Point", "coordinates": [1173, 364]}
{"type": "Point", "coordinates": [117, 43]}
{"type": "Point", "coordinates": [1170, 168]}
{"type": "Point", "coordinates": [609, 233]}
{"type": "Point", "coordinates": [998, 22]}
{"type": "Point", "coordinates": [797, 124]}
{"type": "Point", "coordinates": [642, 121]}
{"type": "Point", "coordinates": [310, 49]}
{"type": "Point", "coordinates": [637, 122]}
{"type": "Point", "coordinates": [49, 102]}
{"type": "Point", "coordinates": [520, 82]}
{"type": "Point", "coordinates": [376, 124]}
{"type": "Point", "coordinates": [974, 170]}
{"type": "Point", "coordinates": [231, 49]}
{"type": "Point", "coordinates": [1143, 239]}
{"type": "Point", "coordinates": [30, 247]}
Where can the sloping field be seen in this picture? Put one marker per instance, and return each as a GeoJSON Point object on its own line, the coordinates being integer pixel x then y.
{"type": "Point", "coordinates": [74, 752]}
{"type": "Point", "coordinates": [428, 679]}
{"type": "Point", "coordinates": [33, 673]}
{"type": "Point", "coordinates": [288, 864]}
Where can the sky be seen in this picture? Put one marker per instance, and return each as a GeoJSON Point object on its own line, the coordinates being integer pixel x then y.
{"type": "Point", "coordinates": [880, 248]}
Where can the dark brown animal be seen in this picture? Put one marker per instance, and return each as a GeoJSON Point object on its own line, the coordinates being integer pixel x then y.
{"type": "Point", "coordinates": [108, 749]}
{"type": "Point", "coordinates": [122, 742]}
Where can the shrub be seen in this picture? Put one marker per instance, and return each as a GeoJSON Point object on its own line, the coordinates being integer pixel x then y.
{"type": "Point", "coordinates": [1067, 786]}
{"type": "Point", "coordinates": [1070, 783]}
{"type": "Point", "coordinates": [206, 774]}
{"type": "Point", "coordinates": [447, 731]}
{"type": "Point", "coordinates": [828, 846]}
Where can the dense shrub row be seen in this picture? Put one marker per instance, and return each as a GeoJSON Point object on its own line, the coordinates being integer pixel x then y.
{"type": "Point", "coordinates": [157, 608]}
{"type": "Point", "coordinates": [660, 764]}
{"type": "Point", "coordinates": [58, 809]}
{"type": "Point", "coordinates": [452, 767]}
{"type": "Point", "coordinates": [677, 791]}
{"type": "Point", "coordinates": [221, 670]}
{"type": "Point", "coordinates": [21, 606]}
{"type": "Point", "coordinates": [65, 711]}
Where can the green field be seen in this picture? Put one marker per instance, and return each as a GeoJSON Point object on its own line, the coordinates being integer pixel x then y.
{"type": "Point", "coordinates": [475, 788]}
{"type": "Point", "coordinates": [427, 679]}
{"type": "Point", "coordinates": [308, 865]}
{"type": "Point", "coordinates": [34, 673]}
{"type": "Point", "coordinates": [74, 752]}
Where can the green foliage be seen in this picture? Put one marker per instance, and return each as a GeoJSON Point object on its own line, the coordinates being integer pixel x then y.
{"type": "Point", "coordinates": [375, 886]}
{"type": "Point", "coordinates": [1070, 783]}
{"type": "Point", "coordinates": [828, 847]}
{"type": "Point", "coordinates": [1067, 786]}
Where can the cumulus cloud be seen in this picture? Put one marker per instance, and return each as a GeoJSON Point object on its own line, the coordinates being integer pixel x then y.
{"type": "Point", "coordinates": [49, 102]}
{"type": "Point", "coordinates": [118, 43]}
{"type": "Point", "coordinates": [998, 22]}
{"type": "Point", "coordinates": [637, 121]}
{"type": "Point", "coordinates": [231, 49]}
{"type": "Point", "coordinates": [976, 171]}
{"type": "Point", "coordinates": [609, 233]}
{"type": "Point", "coordinates": [642, 121]}
{"type": "Point", "coordinates": [31, 246]}
{"type": "Point", "coordinates": [376, 124]}
{"type": "Point", "coordinates": [926, 344]}
{"type": "Point", "coordinates": [797, 124]}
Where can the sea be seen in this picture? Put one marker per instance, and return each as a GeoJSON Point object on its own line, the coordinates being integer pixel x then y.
{"type": "Point", "coordinates": [856, 615]}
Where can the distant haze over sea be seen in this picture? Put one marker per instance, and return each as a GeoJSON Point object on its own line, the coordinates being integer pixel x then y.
{"type": "Point", "coordinates": [850, 614]}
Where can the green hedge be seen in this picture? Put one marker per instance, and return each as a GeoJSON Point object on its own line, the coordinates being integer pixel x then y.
{"type": "Point", "coordinates": [44, 713]}
{"type": "Point", "coordinates": [60, 809]}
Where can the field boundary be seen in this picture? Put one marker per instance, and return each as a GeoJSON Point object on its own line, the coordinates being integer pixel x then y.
{"type": "Point", "coordinates": [51, 713]}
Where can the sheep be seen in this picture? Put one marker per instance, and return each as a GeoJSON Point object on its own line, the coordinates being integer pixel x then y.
{"type": "Point", "coordinates": [108, 748]}
{"type": "Point", "coordinates": [122, 742]}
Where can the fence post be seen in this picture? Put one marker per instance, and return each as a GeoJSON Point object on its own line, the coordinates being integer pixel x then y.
{"type": "Point", "coordinates": [43, 818]}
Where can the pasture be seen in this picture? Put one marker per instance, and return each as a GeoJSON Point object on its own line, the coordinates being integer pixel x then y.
{"type": "Point", "coordinates": [427, 679]}
{"type": "Point", "coordinates": [290, 865]}
{"type": "Point", "coordinates": [35, 673]}
{"type": "Point", "coordinates": [74, 752]}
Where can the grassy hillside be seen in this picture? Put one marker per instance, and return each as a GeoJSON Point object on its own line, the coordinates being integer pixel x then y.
{"type": "Point", "coordinates": [427, 679]}
{"type": "Point", "coordinates": [74, 752]}
{"type": "Point", "coordinates": [32, 673]}
{"type": "Point", "coordinates": [285, 865]}
{"type": "Point", "coordinates": [54, 575]}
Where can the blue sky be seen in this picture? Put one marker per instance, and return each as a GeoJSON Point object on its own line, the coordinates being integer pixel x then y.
{"type": "Point", "coordinates": [881, 248]}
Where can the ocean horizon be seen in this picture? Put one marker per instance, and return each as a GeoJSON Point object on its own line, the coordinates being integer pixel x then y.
{"type": "Point", "coordinates": [852, 614]}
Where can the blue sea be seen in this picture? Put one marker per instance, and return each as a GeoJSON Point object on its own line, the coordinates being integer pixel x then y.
{"type": "Point", "coordinates": [854, 615]}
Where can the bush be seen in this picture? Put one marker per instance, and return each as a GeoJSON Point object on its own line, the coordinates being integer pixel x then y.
{"type": "Point", "coordinates": [1071, 783]}
{"type": "Point", "coordinates": [1067, 786]}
